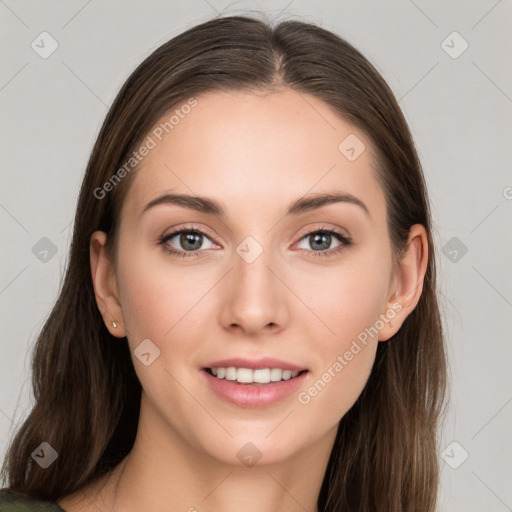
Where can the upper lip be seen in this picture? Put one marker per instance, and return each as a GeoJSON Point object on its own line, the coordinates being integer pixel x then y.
{"type": "Point", "coordinates": [255, 364]}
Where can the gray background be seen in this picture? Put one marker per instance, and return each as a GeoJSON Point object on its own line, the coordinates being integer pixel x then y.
{"type": "Point", "coordinates": [459, 112]}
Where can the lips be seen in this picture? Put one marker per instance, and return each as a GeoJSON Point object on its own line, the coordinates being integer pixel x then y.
{"type": "Point", "coordinates": [254, 395]}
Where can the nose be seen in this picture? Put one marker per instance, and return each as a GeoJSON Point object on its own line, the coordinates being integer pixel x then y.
{"type": "Point", "coordinates": [255, 299]}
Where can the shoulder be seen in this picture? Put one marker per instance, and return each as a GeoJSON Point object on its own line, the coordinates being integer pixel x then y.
{"type": "Point", "coordinates": [11, 501]}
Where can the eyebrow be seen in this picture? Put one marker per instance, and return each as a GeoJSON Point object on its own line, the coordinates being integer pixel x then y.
{"type": "Point", "coordinates": [297, 207]}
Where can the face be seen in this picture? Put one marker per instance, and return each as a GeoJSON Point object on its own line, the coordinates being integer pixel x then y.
{"type": "Point", "coordinates": [257, 281]}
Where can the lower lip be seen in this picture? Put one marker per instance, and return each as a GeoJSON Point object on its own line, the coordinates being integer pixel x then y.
{"type": "Point", "coordinates": [254, 395]}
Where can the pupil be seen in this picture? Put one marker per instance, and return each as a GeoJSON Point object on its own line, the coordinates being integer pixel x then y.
{"type": "Point", "coordinates": [187, 238]}
{"type": "Point", "coordinates": [325, 245]}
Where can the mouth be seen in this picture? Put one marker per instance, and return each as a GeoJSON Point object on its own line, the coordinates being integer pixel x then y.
{"type": "Point", "coordinates": [249, 376]}
{"type": "Point", "coordinates": [254, 387]}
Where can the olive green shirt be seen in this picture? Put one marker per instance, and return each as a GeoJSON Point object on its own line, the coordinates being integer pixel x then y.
{"type": "Point", "coordinates": [14, 502]}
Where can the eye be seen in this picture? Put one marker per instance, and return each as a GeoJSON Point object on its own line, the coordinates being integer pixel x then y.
{"type": "Point", "coordinates": [321, 239]}
{"type": "Point", "coordinates": [188, 241]}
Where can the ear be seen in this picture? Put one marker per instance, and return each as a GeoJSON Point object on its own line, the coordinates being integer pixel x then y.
{"type": "Point", "coordinates": [407, 282]}
{"type": "Point", "coordinates": [105, 286]}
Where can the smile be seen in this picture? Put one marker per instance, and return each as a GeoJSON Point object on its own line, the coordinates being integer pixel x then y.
{"type": "Point", "coordinates": [246, 391]}
{"type": "Point", "coordinates": [249, 376]}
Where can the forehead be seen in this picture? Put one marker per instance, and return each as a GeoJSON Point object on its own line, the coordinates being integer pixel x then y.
{"type": "Point", "coordinates": [256, 149]}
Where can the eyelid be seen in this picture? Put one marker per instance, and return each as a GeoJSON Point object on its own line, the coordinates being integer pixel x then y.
{"type": "Point", "coordinates": [175, 230]}
{"type": "Point", "coordinates": [323, 227]}
{"type": "Point", "coordinates": [344, 239]}
{"type": "Point", "coordinates": [304, 232]}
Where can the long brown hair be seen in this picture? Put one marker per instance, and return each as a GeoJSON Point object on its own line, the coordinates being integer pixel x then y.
{"type": "Point", "coordinates": [87, 395]}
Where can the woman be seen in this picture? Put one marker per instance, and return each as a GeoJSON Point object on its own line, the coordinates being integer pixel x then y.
{"type": "Point", "coordinates": [249, 316]}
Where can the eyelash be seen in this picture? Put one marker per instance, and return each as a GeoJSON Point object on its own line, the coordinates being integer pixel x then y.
{"type": "Point", "coordinates": [345, 242]}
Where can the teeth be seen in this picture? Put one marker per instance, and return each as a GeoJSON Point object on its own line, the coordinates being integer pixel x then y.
{"type": "Point", "coordinates": [276, 374]}
{"type": "Point", "coordinates": [248, 376]}
{"type": "Point", "coordinates": [231, 373]}
{"type": "Point", "coordinates": [262, 376]}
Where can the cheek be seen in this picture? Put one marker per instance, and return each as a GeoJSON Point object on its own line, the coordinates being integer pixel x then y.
{"type": "Point", "coordinates": [344, 359]}
{"type": "Point", "coordinates": [346, 299]}
{"type": "Point", "coordinates": [163, 303]}
{"type": "Point", "coordinates": [160, 298]}
{"type": "Point", "coordinates": [148, 295]}
{"type": "Point", "coordinates": [349, 302]}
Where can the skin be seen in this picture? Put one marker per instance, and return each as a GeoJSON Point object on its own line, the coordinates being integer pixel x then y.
{"type": "Point", "coordinates": [254, 153]}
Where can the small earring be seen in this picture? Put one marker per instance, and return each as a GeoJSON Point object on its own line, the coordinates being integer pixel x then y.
{"type": "Point", "coordinates": [114, 325]}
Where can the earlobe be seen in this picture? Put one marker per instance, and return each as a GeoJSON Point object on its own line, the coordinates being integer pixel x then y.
{"type": "Point", "coordinates": [408, 283]}
{"type": "Point", "coordinates": [104, 282]}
